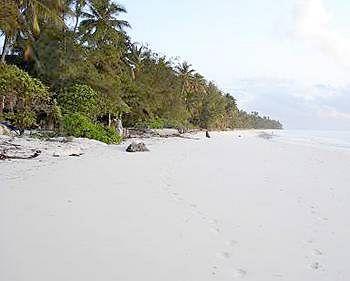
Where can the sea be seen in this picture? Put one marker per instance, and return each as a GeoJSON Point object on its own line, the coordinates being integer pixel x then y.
{"type": "Point", "coordinates": [339, 140]}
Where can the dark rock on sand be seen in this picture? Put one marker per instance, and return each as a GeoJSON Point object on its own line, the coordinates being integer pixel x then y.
{"type": "Point", "coordinates": [137, 147]}
{"type": "Point", "coordinates": [207, 134]}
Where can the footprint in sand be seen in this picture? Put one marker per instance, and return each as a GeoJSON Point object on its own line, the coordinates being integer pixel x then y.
{"type": "Point", "coordinates": [232, 243]}
{"type": "Point", "coordinates": [317, 252]}
{"type": "Point", "coordinates": [223, 255]}
{"type": "Point", "coordinates": [215, 230]}
{"type": "Point", "coordinates": [214, 270]}
{"type": "Point", "coordinates": [214, 225]}
{"type": "Point", "coordinates": [239, 273]}
{"type": "Point", "coordinates": [315, 266]}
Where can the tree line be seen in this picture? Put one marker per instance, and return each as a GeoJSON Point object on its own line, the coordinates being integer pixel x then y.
{"type": "Point", "coordinates": [70, 65]}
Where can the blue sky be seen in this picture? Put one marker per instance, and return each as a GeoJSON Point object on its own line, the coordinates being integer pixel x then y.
{"type": "Point", "coordinates": [287, 58]}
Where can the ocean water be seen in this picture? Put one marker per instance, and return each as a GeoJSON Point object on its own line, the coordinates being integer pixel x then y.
{"type": "Point", "coordinates": [325, 139]}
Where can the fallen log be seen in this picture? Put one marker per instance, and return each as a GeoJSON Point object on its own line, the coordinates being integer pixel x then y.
{"type": "Point", "coordinates": [4, 156]}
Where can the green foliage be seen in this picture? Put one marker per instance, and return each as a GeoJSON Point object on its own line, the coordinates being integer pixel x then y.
{"type": "Point", "coordinates": [157, 123]}
{"type": "Point", "coordinates": [22, 120]}
{"type": "Point", "coordinates": [79, 99]}
{"type": "Point", "coordinates": [25, 97]}
{"type": "Point", "coordinates": [78, 125]}
{"type": "Point", "coordinates": [16, 82]}
{"type": "Point", "coordinates": [8, 17]}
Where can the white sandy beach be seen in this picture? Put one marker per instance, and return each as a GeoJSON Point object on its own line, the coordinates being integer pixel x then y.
{"type": "Point", "coordinates": [225, 208]}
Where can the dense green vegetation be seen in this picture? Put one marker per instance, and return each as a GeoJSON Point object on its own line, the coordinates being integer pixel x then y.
{"type": "Point", "coordinates": [77, 67]}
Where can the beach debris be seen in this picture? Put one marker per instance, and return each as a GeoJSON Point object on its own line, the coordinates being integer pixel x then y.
{"type": "Point", "coordinates": [76, 154]}
{"type": "Point", "coordinates": [10, 150]}
{"type": "Point", "coordinates": [137, 147]}
{"type": "Point", "coordinates": [4, 156]}
{"type": "Point", "coordinates": [207, 134]}
{"type": "Point", "coordinates": [67, 151]}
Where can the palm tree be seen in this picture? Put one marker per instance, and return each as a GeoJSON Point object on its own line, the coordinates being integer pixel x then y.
{"type": "Point", "coordinates": [185, 72]}
{"type": "Point", "coordinates": [102, 23]}
{"type": "Point", "coordinates": [199, 84]}
{"type": "Point", "coordinates": [24, 19]}
{"type": "Point", "coordinates": [78, 12]}
{"type": "Point", "coordinates": [9, 24]}
{"type": "Point", "coordinates": [135, 58]}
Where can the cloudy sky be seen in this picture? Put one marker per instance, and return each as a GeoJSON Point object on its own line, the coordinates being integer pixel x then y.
{"type": "Point", "coordinates": [286, 58]}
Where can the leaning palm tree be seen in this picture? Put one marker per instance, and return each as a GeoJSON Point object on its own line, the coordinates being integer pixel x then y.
{"type": "Point", "coordinates": [102, 23]}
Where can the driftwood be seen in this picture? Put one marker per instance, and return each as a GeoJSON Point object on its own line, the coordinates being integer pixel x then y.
{"type": "Point", "coordinates": [4, 156]}
{"type": "Point", "coordinates": [76, 154]}
{"type": "Point", "coordinates": [6, 143]}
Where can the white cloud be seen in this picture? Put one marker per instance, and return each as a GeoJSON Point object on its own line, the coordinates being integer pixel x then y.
{"type": "Point", "coordinates": [314, 24]}
{"type": "Point", "coordinates": [297, 105]}
{"type": "Point", "coordinates": [331, 112]}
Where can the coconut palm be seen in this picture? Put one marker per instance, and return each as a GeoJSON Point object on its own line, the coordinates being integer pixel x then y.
{"type": "Point", "coordinates": [135, 58]}
{"type": "Point", "coordinates": [102, 24]}
{"type": "Point", "coordinates": [9, 24]}
{"type": "Point", "coordinates": [22, 17]}
{"type": "Point", "coordinates": [185, 72]}
{"type": "Point", "coordinates": [199, 84]}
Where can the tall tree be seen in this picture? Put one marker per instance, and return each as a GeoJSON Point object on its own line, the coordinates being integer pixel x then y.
{"type": "Point", "coordinates": [102, 25]}
{"type": "Point", "coordinates": [185, 72]}
{"type": "Point", "coordinates": [9, 24]}
{"type": "Point", "coordinates": [22, 18]}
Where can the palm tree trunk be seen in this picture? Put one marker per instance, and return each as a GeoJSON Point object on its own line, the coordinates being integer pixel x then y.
{"type": "Point", "coordinates": [4, 49]}
{"type": "Point", "coordinates": [2, 104]}
{"type": "Point", "coordinates": [76, 23]}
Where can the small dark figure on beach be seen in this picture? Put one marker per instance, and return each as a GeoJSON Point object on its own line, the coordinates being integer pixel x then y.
{"type": "Point", "coordinates": [207, 134]}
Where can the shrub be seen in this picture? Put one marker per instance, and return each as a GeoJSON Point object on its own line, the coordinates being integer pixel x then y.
{"type": "Point", "coordinates": [81, 126]}
{"type": "Point", "coordinates": [25, 97]}
{"type": "Point", "coordinates": [79, 99]}
{"type": "Point", "coordinates": [156, 123]}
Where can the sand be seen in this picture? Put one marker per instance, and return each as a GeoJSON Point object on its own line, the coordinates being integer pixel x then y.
{"type": "Point", "coordinates": [225, 208]}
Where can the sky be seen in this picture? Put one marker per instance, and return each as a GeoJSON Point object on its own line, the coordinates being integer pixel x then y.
{"type": "Point", "coordinates": [289, 59]}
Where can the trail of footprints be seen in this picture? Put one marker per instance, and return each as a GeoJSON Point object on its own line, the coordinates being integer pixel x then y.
{"type": "Point", "coordinates": [315, 257]}
{"type": "Point", "coordinates": [212, 223]}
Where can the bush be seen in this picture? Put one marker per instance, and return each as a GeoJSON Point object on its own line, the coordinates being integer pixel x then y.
{"type": "Point", "coordinates": [156, 123]}
{"type": "Point", "coordinates": [81, 126]}
{"type": "Point", "coordinates": [79, 99]}
{"type": "Point", "coordinates": [25, 97]}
